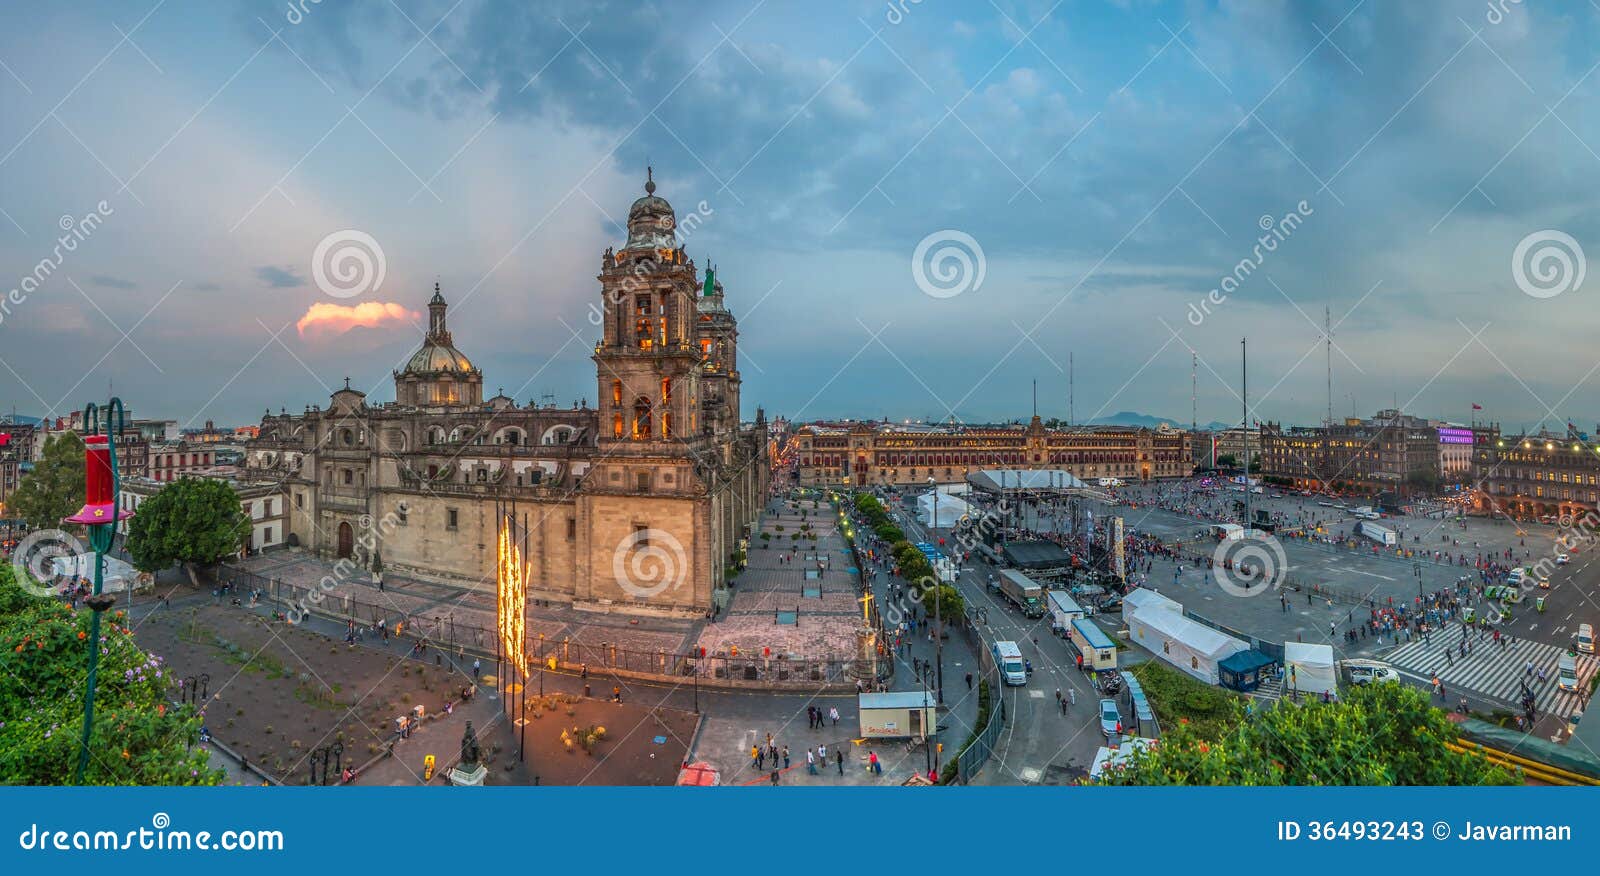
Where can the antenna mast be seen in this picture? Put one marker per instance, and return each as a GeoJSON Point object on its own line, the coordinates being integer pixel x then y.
{"type": "Point", "coordinates": [1244, 400]}
{"type": "Point", "coordinates": [1327, 333]}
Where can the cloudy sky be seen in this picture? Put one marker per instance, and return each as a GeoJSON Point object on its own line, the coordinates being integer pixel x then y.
{"type": "Point", "coordinates": [1077, 178]}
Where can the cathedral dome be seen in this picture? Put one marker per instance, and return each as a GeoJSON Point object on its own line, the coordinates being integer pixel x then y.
{"type": "Point", "coordinates": [435, 357]}
{"type": "Point", "coordinates": [651, 222]}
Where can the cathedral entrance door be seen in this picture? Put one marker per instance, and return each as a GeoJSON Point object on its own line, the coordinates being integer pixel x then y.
{"type": "Point", "coordinates": [347, 540]}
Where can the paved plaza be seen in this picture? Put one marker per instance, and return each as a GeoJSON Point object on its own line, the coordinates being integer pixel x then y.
{"type": "Point", "coordinates": [797, 598]}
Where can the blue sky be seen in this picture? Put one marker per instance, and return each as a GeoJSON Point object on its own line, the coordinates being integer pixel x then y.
{"type": "Point", "coordinates": [1113, 162]}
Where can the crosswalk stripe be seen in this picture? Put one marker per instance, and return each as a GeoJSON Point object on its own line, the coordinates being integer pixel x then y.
{"type": "Point", "coordinates": [1498, 673]}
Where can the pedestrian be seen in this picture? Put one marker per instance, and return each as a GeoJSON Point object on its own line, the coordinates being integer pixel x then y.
{"type": "Point", "coordinates": [840, 760]}
{"type": "Point", "coordinates": [811, 761]}
{"type": "Point", "coordinates": [774, 777]}
{"type": "Point", "coordinates": [761, 758]}
{"type": "Point", "coordinates": [833, 714]}
{"type": "Point", "coordinates": [616, 693]}
{"type": "Point", "coordinates": [872, 761]}
{"type": "Point", "coordinates": [786, 757]}
{"type": "Point", "coordinates": [477, 669]}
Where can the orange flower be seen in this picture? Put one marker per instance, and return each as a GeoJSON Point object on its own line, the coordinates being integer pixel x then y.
{"type": "Point", "coordinates": [19, 649]}
{"type": "Point", "coordinates": [124, 754]}
{"type": "Point", "coordinates": [82, 635]}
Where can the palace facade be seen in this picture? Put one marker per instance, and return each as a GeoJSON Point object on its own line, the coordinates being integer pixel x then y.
{"type": "Point", "coordinates": [869, 454]}
{"type": "Point", "coordinates": [637, 503]}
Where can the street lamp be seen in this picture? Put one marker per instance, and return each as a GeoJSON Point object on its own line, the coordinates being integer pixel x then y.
{"type": "Point", "coordinates": [100, 513]}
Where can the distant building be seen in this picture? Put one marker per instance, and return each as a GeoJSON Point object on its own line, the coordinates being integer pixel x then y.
{"type": "Point", "coordinates": [209, 435]}
{"type": "Point", "coordinates": [262, 502]}
{"type": "Point", "coordinates": [16, 458]}
{"type": "Point", "coordinates": [1538, 475]}
{"type": "Point", "coordinates": [169, 462]}
{"type": "Point", "coordinates": [1391, 452]}
{"type": "Point", "coordinates": [1209, 445]}
{"type": "Point", "coordinates": [870, 454]}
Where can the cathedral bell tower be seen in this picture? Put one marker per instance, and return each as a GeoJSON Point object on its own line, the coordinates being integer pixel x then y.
{"type": "Point", "coordinates": [647, 361]}
{"type": "Point", "coordinates": [717, 334]}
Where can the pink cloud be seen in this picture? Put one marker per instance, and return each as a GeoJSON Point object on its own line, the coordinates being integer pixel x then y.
{"type": "Point", "coordinates": [328, 318]}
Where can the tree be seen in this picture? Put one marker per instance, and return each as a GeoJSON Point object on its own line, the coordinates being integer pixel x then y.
{"type": "Point", "coordinates": [193, 521]}
{"type": "Point", "coordinates": [1425, 481]}
{"type": "Point", "coordinates": [1227, 460]}
{"type": "Point", "coordinates": [951, 607]}
{"type": "Point", "coordinates": [54, 489]}
{"type": "Point", "coordinates": [138, 738]}
{"type": "Point", "coordinates": [1378, 734]}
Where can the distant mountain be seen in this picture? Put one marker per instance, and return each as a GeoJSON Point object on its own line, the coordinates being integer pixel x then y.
{"type": "Point", "coordinates": [1134, 418]}
{"type": "Point", "coordinates": [19, 419]}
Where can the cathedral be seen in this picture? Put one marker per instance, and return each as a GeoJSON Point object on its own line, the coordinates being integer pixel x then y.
{"type": "Point", "coordinates": [638, 504]}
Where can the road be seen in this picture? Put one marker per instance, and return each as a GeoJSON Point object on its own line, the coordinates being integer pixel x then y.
{"type": "Point", "coordinates": [1039, 745]}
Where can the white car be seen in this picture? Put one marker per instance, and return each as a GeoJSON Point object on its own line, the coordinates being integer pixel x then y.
{"type": "Point", "coordinates": [1562, 559]}
{"type": "Point", "coordinates": [1110, 718]}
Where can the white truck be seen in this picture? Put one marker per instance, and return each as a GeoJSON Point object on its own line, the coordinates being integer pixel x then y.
{"type": "Point", "coordinates": [1009, 658]}
{"type": "Point", "coordinates": [1380, 534]}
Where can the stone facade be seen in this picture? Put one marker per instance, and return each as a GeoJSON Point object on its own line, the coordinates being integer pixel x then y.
{"type": "Point", "coordinates": [870, 454]}
{"type": "Point", "coordinates": [636, 504]}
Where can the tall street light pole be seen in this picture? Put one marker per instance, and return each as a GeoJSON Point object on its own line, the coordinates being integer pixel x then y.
{"type": "Point", "coordinates": [100, 513]}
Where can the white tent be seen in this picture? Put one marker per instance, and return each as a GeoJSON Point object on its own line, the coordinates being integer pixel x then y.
{"type": "Point", "coordinates": [950, 508]}
{"type": "Point", "coordinates": [118, 574]}
{"type": "Point", "coordinates": [1308, 668]}
{"type": "Point", "coordinates": [995, 479]}
{"type": "Point", "coordinates": [1142, 599]}
{"type": "Point", "coordinates": [1191, 647]}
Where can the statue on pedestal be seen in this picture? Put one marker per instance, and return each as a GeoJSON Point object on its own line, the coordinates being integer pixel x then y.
{"type": "Point", "coordinates": [471, 753]}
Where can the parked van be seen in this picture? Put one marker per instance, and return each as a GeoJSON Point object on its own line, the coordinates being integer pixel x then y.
{"type": "Point", "coordinates": [1567, 673]}
{"type": "Point", "coordinates": [1009, 658]}
{"type": "Point", "coordinates": [1586, 638]}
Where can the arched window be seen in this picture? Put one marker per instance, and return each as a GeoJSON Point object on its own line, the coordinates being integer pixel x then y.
{"type": "Point", "coordinates": [616, 423]}
{"type": "Point", "coordinates": [641, 419]}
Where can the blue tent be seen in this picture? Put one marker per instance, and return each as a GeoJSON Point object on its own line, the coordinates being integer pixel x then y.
{"type": "Point", "coordinates": [1244, 670]}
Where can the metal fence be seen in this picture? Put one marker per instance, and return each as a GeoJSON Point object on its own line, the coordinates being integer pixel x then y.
{"type": "Point", "coordinates": [972, 758]}
{"type": "Point", "coordinates": [446, 633]}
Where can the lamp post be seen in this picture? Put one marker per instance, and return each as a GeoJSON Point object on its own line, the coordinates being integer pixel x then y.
{"type": "Point", "coordinates": [100, 513]}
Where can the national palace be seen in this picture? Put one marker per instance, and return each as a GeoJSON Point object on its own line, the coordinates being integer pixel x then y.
{"type": "Point", "coordinates": [661, 460]}
{"type": "Point", "coordinates": [870, 453]}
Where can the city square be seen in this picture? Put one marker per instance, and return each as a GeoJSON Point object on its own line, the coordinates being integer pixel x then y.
{"type": "Point", "coordinates": [1045, 399]}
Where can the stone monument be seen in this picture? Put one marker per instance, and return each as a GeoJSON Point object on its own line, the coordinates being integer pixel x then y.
{"type": "Point", "coordinates": [470, 769]}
